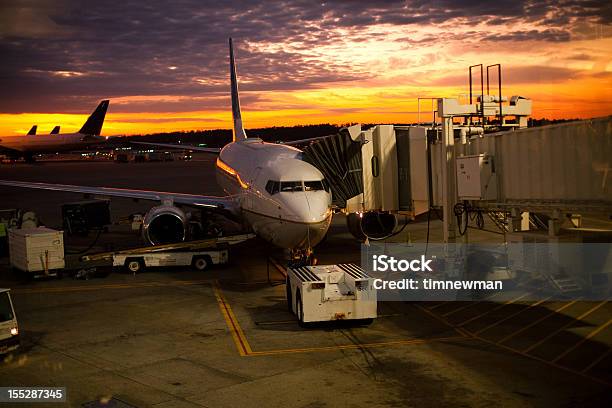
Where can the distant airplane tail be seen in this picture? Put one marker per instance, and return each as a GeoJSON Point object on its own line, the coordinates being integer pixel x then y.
{"type": "Point", "coordinates": [94, 123]}
{"type": "Point", "coordinates": [55, 130]}
{"type": "Point", "coordinates": [33, 130]}
{"type": "Point", "coordinates": [239, 133]}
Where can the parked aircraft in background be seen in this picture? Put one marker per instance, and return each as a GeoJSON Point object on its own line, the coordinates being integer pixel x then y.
{"type": "Point", "coordinates": [32, 144]}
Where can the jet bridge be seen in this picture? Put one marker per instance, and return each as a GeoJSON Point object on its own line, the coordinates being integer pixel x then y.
{"type": "Point", "coordinates": [375, 175]}
{"type": "Point", "coordinates": [339, 158]}
{"type": "Point", "coordinates": [478, 156]}
{"type": "Point", "coordinates": [520, 177]}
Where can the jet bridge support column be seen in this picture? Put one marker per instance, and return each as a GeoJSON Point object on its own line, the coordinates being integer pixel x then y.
{"type": "Point", "coordinates": [447, 109]}
{"type": "Point", "coordinates": [449, 195]}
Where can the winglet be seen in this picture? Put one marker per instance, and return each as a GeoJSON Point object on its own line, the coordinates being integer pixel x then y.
{"type": "Point", "coordinates": [239, 133]}
{"type": "Point", "coordinates": [33, 130]}
{"type": "Point", "coordinates": [55, 130]}
{"type": "Point", "coordinates": [94, 123]}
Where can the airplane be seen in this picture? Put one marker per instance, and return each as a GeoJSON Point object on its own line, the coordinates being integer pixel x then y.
{"type": "Point", "coordinates": [269, 189]}
{"type": "Point", "coordinates": [31, 144]}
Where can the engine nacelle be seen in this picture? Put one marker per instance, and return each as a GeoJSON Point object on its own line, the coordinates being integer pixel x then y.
{"type": "Point", "coordinates": [164, 224]}
{"type": "Point", "coordinates": [373, 225]}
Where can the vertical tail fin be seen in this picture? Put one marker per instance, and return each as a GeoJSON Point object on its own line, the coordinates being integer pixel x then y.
{"type": "Point", "coordinates": [94, 123]}
{"type": "Point", "coordinates": [239, 133]}
{"type": "Point", "coordinates": [33, 130]}
{"type": "Point", "coordinates": [55, 130]}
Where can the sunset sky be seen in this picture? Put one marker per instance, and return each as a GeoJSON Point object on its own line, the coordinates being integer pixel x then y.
{"type": "Point", "coordinates": [164, 65]}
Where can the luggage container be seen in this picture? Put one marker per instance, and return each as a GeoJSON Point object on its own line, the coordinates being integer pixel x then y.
{"type": "Point", "coordinates": [39, 251]}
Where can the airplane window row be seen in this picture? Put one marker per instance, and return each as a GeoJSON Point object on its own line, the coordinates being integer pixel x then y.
{"type": "Point", "coordinates": [274, 187]}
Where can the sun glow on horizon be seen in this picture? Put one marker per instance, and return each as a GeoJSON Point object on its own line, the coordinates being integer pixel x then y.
{"type": "Point", "coordinates": [392, 66]}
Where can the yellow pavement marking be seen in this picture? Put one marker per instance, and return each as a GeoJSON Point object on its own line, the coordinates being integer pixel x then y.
{"type": "Point", "coordinates": [508, 337]}
{"type": "Point", "coordinates": [437, 305]}
{"type": "Point", "coordinates": [109, 286]}
{"type": "Point", "coordinates": [551, 363]}
{"type": "Point", "coordinates": [354, 346]}
{"type": "Point", "coordinates": [469, 304]}
{"type": "Point", "coordinates": [244, 348]}
{"type": "Point", "coordinates": [575, 346]}
{"type": "Point", "coordinates": [459, 330]}
{"type": "Point", "coordinates": [579, 318]}
{"type": "Point", "coordinates": [240, 340]}
{"type": "Point", "coordinates": [513, 315]}
{"type": "Point", "coordinates": [597, 361]}
{"type": "Point", "coordinates": [492, 310]}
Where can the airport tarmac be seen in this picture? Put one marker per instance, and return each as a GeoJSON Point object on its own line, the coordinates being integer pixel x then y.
{"type": "Point", "coordinates": [224, 337]}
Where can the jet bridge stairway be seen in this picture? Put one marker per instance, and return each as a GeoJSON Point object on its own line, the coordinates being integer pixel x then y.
{"type": "Point", "coordinates": [565, 285]}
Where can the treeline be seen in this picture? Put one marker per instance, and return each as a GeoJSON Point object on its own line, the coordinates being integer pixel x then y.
{"type": "Point", "coordinates": [220, 137]}
{"type": "Point", "coordinates": [543, 122]}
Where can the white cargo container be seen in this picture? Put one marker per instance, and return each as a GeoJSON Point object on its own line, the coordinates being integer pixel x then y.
{"type": "Point", "coordinates": [331, 292]}
{"type": "Point", "coordinates": [37, 250]}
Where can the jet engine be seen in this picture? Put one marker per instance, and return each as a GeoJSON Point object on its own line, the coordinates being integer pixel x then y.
{"type": "Point", "coordinates": [164, 224]}
{"type": "Point", "coordinates": [373, 225]}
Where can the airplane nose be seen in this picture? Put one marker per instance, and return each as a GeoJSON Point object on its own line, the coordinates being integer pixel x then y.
{"type": "Point", "coordinates": [310, 214]}
{"type": "Point", "coordinates": [307, 207]}
{"type": "Point", "coordinates": [318, 208]}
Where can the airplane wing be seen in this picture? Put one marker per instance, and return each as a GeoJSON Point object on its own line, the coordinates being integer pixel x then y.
{"type": "Point", "coordinates": [224, 204]}
{"type": "Point", "coordinates": [182, 147]}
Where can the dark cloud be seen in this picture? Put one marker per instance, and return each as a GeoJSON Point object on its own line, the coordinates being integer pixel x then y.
{"type": "Point", "coordinates": [64, 55]}
{"type": "Point", "coordinates": [550, 35]}
{"type": "Point", "coordinates": [517, 75]}
{"type": "Point", "coordinates": [580, 57]}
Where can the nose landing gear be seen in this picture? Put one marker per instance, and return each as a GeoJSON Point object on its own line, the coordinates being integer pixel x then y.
{"type": "Point", "coordinates": [301, 257]}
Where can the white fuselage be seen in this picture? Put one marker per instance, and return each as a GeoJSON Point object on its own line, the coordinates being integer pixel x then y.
{"type": "Point", "coordinates": [277, 192]}
{"type": "Point", "coordinates": [48, 143]}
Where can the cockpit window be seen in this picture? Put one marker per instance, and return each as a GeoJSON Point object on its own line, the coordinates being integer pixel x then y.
{"type": "Point", "coordinates": [272, 187]}
{"type": "Point", "coordinates": [325, 185]}
{"type": "Point", "coordinates": [313, 185]}
{"type": "Point", "coordinates": [290, 186]}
